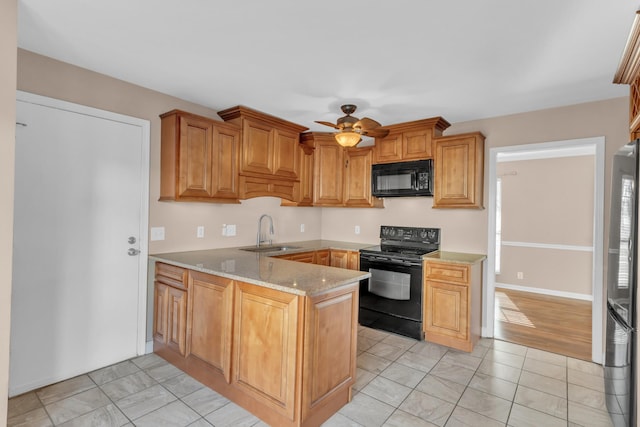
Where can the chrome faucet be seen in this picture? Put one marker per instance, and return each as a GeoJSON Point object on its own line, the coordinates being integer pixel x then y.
{"type": "Point", "coordinates": [259, 239]}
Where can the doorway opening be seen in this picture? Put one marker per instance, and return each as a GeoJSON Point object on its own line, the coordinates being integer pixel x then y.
{"type": "Point", "coordinates": [545, 257]}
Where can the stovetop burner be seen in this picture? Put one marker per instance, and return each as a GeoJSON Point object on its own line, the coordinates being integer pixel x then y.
{"type": "Point", "coordinates": [405, 242]}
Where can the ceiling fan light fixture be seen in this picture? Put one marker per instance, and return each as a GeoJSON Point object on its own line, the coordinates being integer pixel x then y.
{"type": "Point", "coordinates": [348, 139]}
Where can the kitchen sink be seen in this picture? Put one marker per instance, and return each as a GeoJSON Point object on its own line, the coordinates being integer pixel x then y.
{"type": "Point", "coordinates": [269, 248]}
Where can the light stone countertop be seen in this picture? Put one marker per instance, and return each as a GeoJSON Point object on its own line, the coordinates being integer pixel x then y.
{"type": "Point", "coordinates": [264, 270]}
{"type": "Point", "coordinates": [454, 257]}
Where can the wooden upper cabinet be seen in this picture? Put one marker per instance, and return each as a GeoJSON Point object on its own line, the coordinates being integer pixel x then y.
{"type": "Point", "coordinates": [342, 176]}
{"type": "Point", "coordinates": [628, 73]}
{"type": "Point", "coordinates": [409, 141]}
{"type": "Point", "coordinates": [256, 155]}
{"type": "Point", "coordinates": [459, 171]}
{"type": "Point", "coordinates": [199, 159]}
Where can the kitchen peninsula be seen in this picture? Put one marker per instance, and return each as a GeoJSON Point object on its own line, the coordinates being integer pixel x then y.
{"type": "Point", "coordinates": [275, 336]}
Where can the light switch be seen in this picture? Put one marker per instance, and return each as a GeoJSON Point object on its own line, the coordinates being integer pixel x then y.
{"type": "Point", "coordinates": [157, 233]}
{"type": "Point", "coordinates": [200, 231]}
{"type": "Point", "coordinates": [302, 228]}
{"type": "Point", "coordinates": [357, 229]}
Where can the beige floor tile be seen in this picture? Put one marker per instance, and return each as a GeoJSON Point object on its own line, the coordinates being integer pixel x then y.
{"type": "Point", "coordinates": [509, 347]}
{"type": "Point", "coordinates": [545, 356]}
{"type": "Point", "coordinates": [148, 361]}
{"type": "Point", "coordinates": [386, 351]}
{"type": "Point", "coordinates": [403, 375]}
{"type": "Point", "coordinates": [76, 405]}
{"type": "Point", "coordinates": [204, 423]}
{"type": "Point", "coordinates": [339, 420]}
{"type": "Point", "coordinates": [509, 359]}
{"type": "Point", "coordinates": [113, 372]}
{"type": "Point", "coordinates": [363, 377]}
{"type": "Point", "coordinates": [441, 388]}
{"type": "Point", "coordinates": [545, 368]}
{"type": "Point", "coordinates": [387, 391]}
{"type": "Point", "coordinates": [175, 414]}
{"type": "Point", "coordinates": [417, 361]}
{"type": "Point", "coordinates": [22, 404]}
{"type": "Point", "coordinates": [367, 411]}
{"type": "Point", "coordinates": [400, 341]}
{"type": "Point", "coordinates": [123, 387]}
{"type": "Point", "coordinates": [403, 419]}
{"type": "Point", "coordinates": [428, 408]}
{"type": "Point", "coordinates": [372, 363]}
{"type": "Point", "coordinates": [205, 401]}
{"type": "Point", "coordinates": [545, 384]}
{"type": "Point", "coordinates": [464, 360]}
{"type": "Point", "coordinates": [594, 382]}
{"type": "Point", "coordinates": [588, 397]}
{"type": "Point", "coordinates": [462, 417]}
{"type": "Point", "coordinates": [106, 416]}
{"type": "Point", "coordinates": [543, 402]}
{"type": "Point", "coordinates": [498, 370]}
{"type": "Point", "coordinates": [584, 366]}
{"type": "Point", "coordinates": [479, 351]}
{"type": "Point", "coordinates": [365, 343]}
{"type": "Point", "coordinates": [453, 373]}
{"type": "Point", "coordinates": [162, 373]}
{"type": "Point", "coordinates": [231, 415]}
{"type": "Point", "coordinates": [485, 404]}
{"type": "Point", "coordinates": [35, 418]}
{"type": "Point", "coordinates": [492, 385]}
{"type": "Point", "coordinates": [182, 384]}
{"type": "Point", "coordinates": [585, 416]}
{"type": "Point", "coordinates": [145, 401]}
{"type": "Point", "coordinates": [374, 334]}
{"type": "Point", "coordinates": [521, 416]}
{"type": "Point", "coordinates": [65, 389]}
{"type": "Point", "coordinates": [429, 350]}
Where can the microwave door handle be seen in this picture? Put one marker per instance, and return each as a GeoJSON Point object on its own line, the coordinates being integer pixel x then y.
{"type": "Point", "coordinates": [414, 180]}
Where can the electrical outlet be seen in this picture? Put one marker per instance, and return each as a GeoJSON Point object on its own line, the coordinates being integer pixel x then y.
{"type": "Point", "coordinates": [200, 231]}
{"type": "Point", "coordinates": [157, 233]}
{"type": "Point", "coordinates": [231, 230]}
{"type": "Point", "coordinates": [520, 275]}
{"type": "Point", "coordinates": [302, 228]}
{"type": "Point", "coordinates": [357, 229]}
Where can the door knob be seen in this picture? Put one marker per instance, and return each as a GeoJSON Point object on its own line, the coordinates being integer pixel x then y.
{"type": "Point", "coordinates": [133, 252]}
{"type": "Point", "coordinates": [131, 240]}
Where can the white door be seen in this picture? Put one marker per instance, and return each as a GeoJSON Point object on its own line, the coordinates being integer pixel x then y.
{"type": "Point", "coordinates": [79, 297]}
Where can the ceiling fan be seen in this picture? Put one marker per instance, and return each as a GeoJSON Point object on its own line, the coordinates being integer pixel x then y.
{"type": "Point", "coordinates": [352, 128]}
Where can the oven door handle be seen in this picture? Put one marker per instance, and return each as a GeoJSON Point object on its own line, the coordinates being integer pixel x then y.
{"type": "Point", "coordinates": [390, 260]}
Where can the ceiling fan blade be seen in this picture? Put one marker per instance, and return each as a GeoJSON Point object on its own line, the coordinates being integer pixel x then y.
{"type": "Point", "coordinates": [328, 124]}
{"type": "Point", "coordinates": [366, 123]}
{"type": "Point", "coordinates": [376, 133]}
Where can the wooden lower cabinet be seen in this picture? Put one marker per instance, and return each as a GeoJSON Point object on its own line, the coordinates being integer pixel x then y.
{"type": "Point", "coordinates": [322, 257]}
{"type": "Point", "coordinates": [288, 359]}
{"type": "Point", "coordinates": [345, 259]}
{"type": "Point", "coordinates": [452, 304]}
{"type": "Point", "coordinates": [170, 307]}
{"type": "Point", "coordinates": [211, 297]}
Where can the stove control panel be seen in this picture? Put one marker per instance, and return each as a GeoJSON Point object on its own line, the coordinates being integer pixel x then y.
{"type": "Point", "coordinates": [413, 234]}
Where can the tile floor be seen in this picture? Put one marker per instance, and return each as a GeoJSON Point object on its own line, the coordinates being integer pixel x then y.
{"type": "Point", "coordinates": [400, 382]}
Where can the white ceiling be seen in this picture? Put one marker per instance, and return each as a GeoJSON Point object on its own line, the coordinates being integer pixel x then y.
{"type": "Point", "coordinates": [397, 60]}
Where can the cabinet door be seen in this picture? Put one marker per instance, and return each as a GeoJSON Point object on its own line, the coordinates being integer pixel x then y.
{"type": "Point", "coordinates": [328, 174]}
{"type": "Point", "coordinates": [194, 179]}
{"type": "Point", "coordinates": [265, 345]}
{"type": "Point", "coordinates": [416, 145]}
{"type": "Point", "coordinates": [446, 310]}
{"type": "Point", "coordinates": [357, 179]}
{"type": "Point", "coordinates": [308, 257]}
{"type": "Point", "coordinates": [160, 299]}
{"type": "Point", "coordinates": [339, 258]}
{"type": "Point", "coordinates": [459, 171]}
{"type": "Point", "coordinates": [177, 320]}
{"type": "Point", "coordinates": [388, 149]}
{"type": "Point", "coordinates": [226, 141]}
{"type": "Point", "coordinates": [257, 148]}
{"type": "Point", "coordinates": [322, 257]}
{"type": "Point", "coordinates": [330, 335]}
{"type": "Point", "coordinates": [211, 319]}
{"type": "Point", "coordinates": [286, 160]}
{"type": "Point", "coordinates": [306, 179]}
{"type": "Point", "coordinates": [353, 260]}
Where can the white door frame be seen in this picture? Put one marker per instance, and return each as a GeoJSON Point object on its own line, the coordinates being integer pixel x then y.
{"type": "Point", "coordinates": [144, 126]}
{"type": "Point", "coordinates": [597, 144]}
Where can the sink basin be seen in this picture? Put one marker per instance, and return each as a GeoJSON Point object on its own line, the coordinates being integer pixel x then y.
{"type": "Point", "coordinates": [269, 248]}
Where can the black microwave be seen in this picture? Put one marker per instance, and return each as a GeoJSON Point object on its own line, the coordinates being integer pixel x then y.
{"type": "Point", "coordinates": [402, 179]}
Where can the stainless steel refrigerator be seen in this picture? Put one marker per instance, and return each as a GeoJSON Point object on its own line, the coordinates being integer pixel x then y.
{"type": "Point", "coordinates": [621, 329]}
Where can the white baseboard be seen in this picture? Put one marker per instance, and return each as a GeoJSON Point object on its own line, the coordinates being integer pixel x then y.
{"type": "Point", "coordinates": [551, 292]}
{"type": "Point", "coordinates": [149, 347]}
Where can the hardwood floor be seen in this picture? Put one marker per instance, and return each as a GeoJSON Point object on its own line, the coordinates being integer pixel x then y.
{"type": "Point", "coordinates": [558, 325]}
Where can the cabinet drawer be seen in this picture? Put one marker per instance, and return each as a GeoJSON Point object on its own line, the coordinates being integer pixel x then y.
{"type": "Point", "coordinates": [171, 275]}
{"type": "Point", "coordinates": [447, 272]}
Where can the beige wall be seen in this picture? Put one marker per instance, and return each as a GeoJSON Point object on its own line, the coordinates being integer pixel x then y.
{"type": "Point", "coordinates": [8, 43]}
{"type": "Point", "coordinates": [466, 230]}
{"type": "Point", "coordinates": [547, 201]}
{"type": "Point", "coordinates": [45, 76]}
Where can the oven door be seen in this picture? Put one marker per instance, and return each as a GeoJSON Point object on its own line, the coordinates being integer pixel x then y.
{"type": "Point", "coordinates": [394, 288]}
